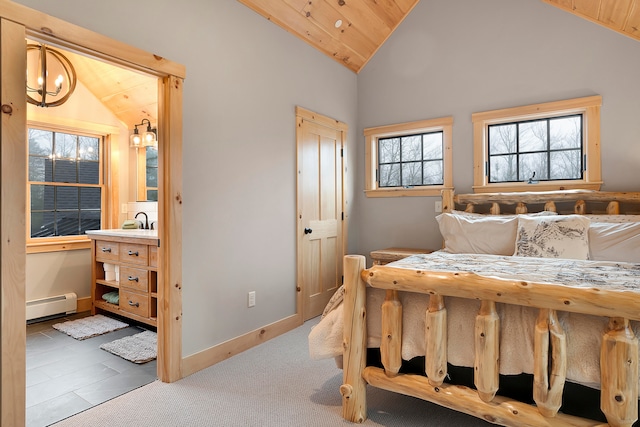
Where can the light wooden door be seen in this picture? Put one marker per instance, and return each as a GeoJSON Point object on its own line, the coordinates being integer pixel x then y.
{"type": "Point", "coordinates": [321, 225]}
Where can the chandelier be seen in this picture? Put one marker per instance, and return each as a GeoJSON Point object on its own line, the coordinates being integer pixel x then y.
{"type": "Point", "coordinates": [43, 63]}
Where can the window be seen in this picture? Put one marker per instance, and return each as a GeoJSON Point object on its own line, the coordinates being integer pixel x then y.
{"type": "Point", "coordinates": [553, 146]}
{"type": "Point", "coordinates": [149, 164]}
{"type": "Point", "coordinates": [409, 159]}
{"type": "Point", "coordinates": [65, 185]}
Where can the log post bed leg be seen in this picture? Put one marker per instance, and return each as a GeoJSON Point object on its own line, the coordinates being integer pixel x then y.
{"type": "Point", "coordinates": [435, 365]}
{"type": "Point", "coordinates": [487, 338]}
{"type": "Point", "coordinates": [549, 378]}
{"type": "Point", "coordinates": [391, 342]}
{"type": "Point", "coordinates": [619, 373]}
{"type": "Point", "coordinates": [354, 344]}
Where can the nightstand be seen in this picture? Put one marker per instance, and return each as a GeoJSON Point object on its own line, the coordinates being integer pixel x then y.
{"type": "Point", "coordinates": [385, 256]}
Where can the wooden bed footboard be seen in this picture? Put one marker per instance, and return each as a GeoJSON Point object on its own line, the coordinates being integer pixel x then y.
{"type": "Point", "coordinates": [619, 351]}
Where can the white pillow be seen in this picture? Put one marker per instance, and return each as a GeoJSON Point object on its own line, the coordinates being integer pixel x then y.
{"type": "Point", "coordinates": [484, 234]}
{"type": "Point", "coordinates": [563, 236]}
{"type": "Point", "coordinates": [614, 241]}
{"type": "Point", "coordinates": [613, 218]}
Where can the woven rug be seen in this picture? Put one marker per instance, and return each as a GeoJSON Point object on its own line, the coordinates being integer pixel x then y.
{"type": "Point", "coordinates": [88, 327]}
{"type": "Point", "coordinates": [138, 348]}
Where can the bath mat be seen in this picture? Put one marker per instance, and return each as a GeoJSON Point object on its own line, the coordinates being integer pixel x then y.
{"type": "Point", "coordinates": [88, 327]}
{"type": "Point", "coordinates": [138, 348]}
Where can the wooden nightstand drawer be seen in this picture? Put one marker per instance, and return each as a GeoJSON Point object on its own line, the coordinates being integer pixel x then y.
{"type": "Point", "coordinates": [134, 302]}
{"type": "Point", "coordinates": [107, 251]}
{"type": "Point", "coordinates": [134, 278]}
{"type": "Point", "coordinates": [134, 254]}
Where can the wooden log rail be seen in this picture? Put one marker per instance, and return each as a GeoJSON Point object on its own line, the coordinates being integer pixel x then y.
{"type": "Point", "coordinates": [619, 350]}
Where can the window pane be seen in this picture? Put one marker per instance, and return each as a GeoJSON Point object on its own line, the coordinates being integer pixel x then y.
{"type": "Point", "coordinates": [432, 146]}
{"type": "Point", "coordinates": [68, 222]}
{"type": "Point", "coordinates": [66, 146]}
{"type": "Point", "coordinates": [90, 198]}
{"type": "Point", "coordinates": [389, 150]}
{"type": "Point", "coordinates": [390, 175]}
{"type": "Point", "coordinates": [533, 136]}
{"type": "Point", "coordinates": [534, 162]}
{"type": "Point", "coordinates": [411, 148]}
{"type": "Point", "coordinates": [65, 171]}
{"type": "Point", "coordinates": [89, 220]}
{"type": "Point", "coordinates": [89, 148]}
{"type": "Point", "coordinates": [502, 139]}
{"type": "Point", "coordinates": [565, 132]}
{"type": "Point", "coordinates": [152, 177]}
{"type": "Point", "coordinates": [566, 165]}
{"type": "Point", "coordinates": [433, 173]}
{"type": "Point", "coordinates": [40, 142]}
{"type": "Point", "coordinates": [152, 195]}
{"type": "Point", "coordinates": [39, 195]}
{"type": "Point", "coordinates": [88, 172]}
{"type": "Point", "coordinates": [411, 174]}
{"type": "Point", "coordinates": [40, 169]}
{"type": "Point", "coordinates": [503, 169]}
{"type": "Point", "coordinates": [152, 156]}
{"type": "Point", "coordinates": [67, 197]}
{"type": "Point", "coordinates": [42, 224]}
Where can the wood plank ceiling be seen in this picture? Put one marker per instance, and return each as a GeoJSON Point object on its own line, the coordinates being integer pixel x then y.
{"type": "Point", "coordinates": [622, 16]}
{"type": "Point", "coordinates": [129, 95]}
{"type": "Point", "coordinates": [349, 31]}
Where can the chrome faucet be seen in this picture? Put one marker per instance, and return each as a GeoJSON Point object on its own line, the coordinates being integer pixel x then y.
{"type": "Point", "coordinates": [146, 220]}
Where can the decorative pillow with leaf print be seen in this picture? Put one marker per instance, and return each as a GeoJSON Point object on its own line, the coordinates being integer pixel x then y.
{"type": "Point", "coordinates": [563, 236]}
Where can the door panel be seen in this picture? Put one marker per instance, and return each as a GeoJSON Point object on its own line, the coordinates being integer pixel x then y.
{"type": "Point", "coordinates": [320, 207]}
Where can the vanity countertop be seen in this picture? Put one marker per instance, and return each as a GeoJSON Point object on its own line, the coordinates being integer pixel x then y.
{"type": "Point", "coordinates": [128, 233]}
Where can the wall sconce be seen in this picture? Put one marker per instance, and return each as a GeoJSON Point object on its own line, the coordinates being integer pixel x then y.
{"type": "Point", "coordinates": [148, 138]}
{"type": "Point", "coordinates": [44, 63]}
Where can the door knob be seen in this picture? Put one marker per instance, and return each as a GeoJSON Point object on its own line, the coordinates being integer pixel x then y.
{"type": "Point", "coordinates": [308, 231]}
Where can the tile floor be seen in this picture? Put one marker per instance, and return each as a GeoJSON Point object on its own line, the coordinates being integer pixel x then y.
{"type": "Point", "coordinates": [66, 376]}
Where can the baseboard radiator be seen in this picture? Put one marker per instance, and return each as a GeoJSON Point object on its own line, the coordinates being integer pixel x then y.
{"type": "Point", "coordinates": [59, 304]}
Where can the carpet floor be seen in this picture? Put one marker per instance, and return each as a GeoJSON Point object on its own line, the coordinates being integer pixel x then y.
{"type": "Point", "coordinates": [273, 384]}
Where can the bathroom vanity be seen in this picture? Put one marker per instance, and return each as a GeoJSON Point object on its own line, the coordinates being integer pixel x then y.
{"type": "Point", "coordinates": [124, 266]}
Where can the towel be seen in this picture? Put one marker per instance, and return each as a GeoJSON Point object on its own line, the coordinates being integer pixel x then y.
{"type": "Point", "coordinates": [131, 224]}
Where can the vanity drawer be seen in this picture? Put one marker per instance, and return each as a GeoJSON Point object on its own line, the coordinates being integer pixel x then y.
{"type": "Point", "coordinates": [134, 254]}
{"type": "Point", "coordinates": [107, 251]}
{"type": "Point", "coordinates": [134, 278]}
{"type": "Point", "coordinates": [134, 302]}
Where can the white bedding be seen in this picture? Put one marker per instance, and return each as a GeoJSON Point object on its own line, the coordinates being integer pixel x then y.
{"type": "Point", "coordinates": [584, 332]}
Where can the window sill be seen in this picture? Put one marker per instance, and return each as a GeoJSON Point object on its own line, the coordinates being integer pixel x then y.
{"type": "Point", "coordinates": [58, 246]}
{"type": "Point", "coordinates": [406, 192]}
{"type": "Point", "coordinates": [544, 186]}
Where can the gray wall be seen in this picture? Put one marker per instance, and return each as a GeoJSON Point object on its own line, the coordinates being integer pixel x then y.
{"type": "Point", "coordinates": [455, 58]}
{"type": "Point", "coordinates": [245, 76]}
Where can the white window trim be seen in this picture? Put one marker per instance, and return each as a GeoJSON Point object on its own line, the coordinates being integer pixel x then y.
{"type": "Point", "coordinates": [68, 243]}
{"type": "Point", "coordinates": [589, 107]}
{"type": "Point", "coordinates": [443, 124]}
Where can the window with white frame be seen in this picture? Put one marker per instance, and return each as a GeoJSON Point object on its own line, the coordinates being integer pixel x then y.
{"type": "Point", "coordinates": [409, 159]}
{"type": "Point", "coordinates": [553, 146]}
{"type": "Point", "coordinates": [65, 184]}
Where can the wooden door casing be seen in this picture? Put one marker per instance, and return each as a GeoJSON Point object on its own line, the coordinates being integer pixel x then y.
{"type": "Point", "coordinates": [320, 209]}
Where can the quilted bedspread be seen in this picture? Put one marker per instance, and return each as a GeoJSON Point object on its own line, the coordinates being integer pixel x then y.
{"type": "Point", "coordinates": [584, 332]}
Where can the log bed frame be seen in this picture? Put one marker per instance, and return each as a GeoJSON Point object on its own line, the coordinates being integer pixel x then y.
{"type": "Point", "coordinates": [619, 350]}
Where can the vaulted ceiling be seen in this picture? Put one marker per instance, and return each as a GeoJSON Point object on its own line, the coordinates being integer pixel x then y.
{"type": "Point", "coordinates": [351, 31]}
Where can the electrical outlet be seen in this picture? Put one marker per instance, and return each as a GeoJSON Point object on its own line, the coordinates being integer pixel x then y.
{"type": "Point", "coordinates": [438, 206]}
{"type": "Point", "coordinates": [123, 209]}
{"type": "Point", "coordinates": [252, 299]}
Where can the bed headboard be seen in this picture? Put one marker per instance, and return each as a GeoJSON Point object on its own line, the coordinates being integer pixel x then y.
{"type": "Point", "coordinates": [563, 201]}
